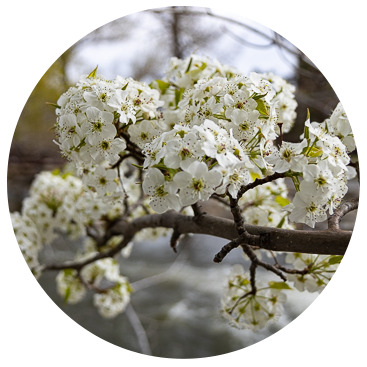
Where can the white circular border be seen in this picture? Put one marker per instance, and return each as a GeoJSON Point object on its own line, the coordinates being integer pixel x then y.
{"type": "Point", "coordinates": [34, 34]}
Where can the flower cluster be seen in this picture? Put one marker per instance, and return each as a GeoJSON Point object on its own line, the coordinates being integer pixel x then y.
{"type": "Point", "coordinates": [92, 119]}
{"type": "Point", "coordinates": [196, 163]}
{"type": "Point", "coordinates": [284, 99]}
{"type": "Point", "coordinates": [29, 240]}
{"type": "Point", "coordinates": [69, 286]}
{"type": "Point", "coordinates": [263, 205]}
{"type": "Point", "coordinates": [186, 73]}
{"type": "Point", "coordinates": [204, 129]}
{"type": "Point", "coordinates": [215, 145]}
{"type": "Point", "coordinates": [52, 208]}
{"type": "Point", "coordinates": [321, 160]}
{"type": "Point", "coordinates": [320, 270]}
{"type": "Point", "coordinates": [255, 310]}
{"type": "Point", "coordinates": [219, 119]}
{"type": "Point", "coordinates": [244, 309]}
{"type": "Point", "coordinates": [112, 290]}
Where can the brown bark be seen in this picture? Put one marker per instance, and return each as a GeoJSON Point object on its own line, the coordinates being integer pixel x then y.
{"type": "Point", "coordinates": [327, 242]}
{"type": "Point", "coordinates": [316, 242]}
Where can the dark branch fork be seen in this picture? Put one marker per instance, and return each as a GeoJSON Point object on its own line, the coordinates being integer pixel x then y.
{"type": "Point", "coordinates": [246, 241]}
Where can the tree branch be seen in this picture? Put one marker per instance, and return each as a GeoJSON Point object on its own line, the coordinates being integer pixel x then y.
{"type": "Point", "coordinates": [260, 181]}
{"type": "Point", "coordinates": [327, 242]}
{"type": "Point", "coordinates": [345, 208]}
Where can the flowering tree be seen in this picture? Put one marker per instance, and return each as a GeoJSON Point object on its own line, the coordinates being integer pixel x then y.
{"type": "Point", "coordinates": [142, 159]}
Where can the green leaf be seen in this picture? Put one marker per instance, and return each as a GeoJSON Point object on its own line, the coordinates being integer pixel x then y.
{"type": "Point", "coordinates": [258, 96]}
{"type": "Point", "coordinates": [203, 66]}
{"type": "Point", "coordinates": [315, 152]}
{"type": "Point", "coordinates": [116, 115]}
{"type": "Point", "coordinates": [335, 259]}
{"type": "Point", "coordinates": [162, 85]}
{"type": "Point", "coordinates": [279, 285]}
{"type": "Point", "coordinates": [307, 132]}
{"type": "Point", "coordinates": [160, 166]}
{"type": "Point", "coordinates": [261, 107]}
{"type": "Point", "coordinates": [136, 165]}
{"type": "Point", "coordinates": [282, 201]}
{"type": "Point", "coordinates": [254, 176]}
{"type": "Point", "coordinates": [178, 95]}
{"type": "Point", "coordinates": [55, 172]}
{"type": "Point", "coordinates": [189, 66]}
{"type": "Point", "coordinates": [125, 86]}
{"type": "Point", "coordinates": [280, 224]}
{"type": "Point", "coordinates": [93, 74]}
{"type": "Point", "coordinates": [53, 105]}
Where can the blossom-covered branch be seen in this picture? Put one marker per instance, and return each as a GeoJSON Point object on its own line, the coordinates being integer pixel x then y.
{"type": "Point", "coordinates": [317, 242]}
{"type": "Point", "coordinates": [144, 158]}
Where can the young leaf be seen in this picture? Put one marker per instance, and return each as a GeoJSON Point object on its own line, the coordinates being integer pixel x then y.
{"type": "Point", "coordinates": [136, 165]}
{"type": "Point", "coordinates": [254, 176]}
{"type": "Point", "coordinates": [258, 96]}
{"type": "Point", "coordinates": [178, 95]}
{"type": "Point", "coordinates": [261, 107]}
{"type": "Point", "coordinates": [93, 74]}
{"type": "Point", "coordinates": [315, 152]}
{"type": "Point", "coordinates": [163, 86]}
{"type": "Point", "coordinates": [188, 66]}
{"type": "Point", "coordinates": [307, 132]}
{"type": "Point", "coordinates": [53, 105]}
{"type": "Point", "coordinates": [335, 259]}
{"type": "Point", "coordinates": [203, 66]}
{"type": "Point", "coordinates": [279, 285]}
{"type": "Point", "coordinates": [281, 200]}
{"type": "Point", "coordinates": [280, 224]}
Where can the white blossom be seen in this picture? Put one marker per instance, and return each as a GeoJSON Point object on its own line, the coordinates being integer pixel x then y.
{"type": "Point", "coordinates": [288, 157]}
{"type": "Point", "coordinates": [196, 183]}
{"type": "Point", "coordinates": [162, 192]}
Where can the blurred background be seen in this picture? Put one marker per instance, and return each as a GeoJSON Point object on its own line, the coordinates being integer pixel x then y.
{"type": "Point", "coordinates": [175, 310]}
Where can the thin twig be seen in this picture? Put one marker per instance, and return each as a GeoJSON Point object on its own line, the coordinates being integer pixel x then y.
{"type": "Point", "coordinates": [226, 249]}
{"type": "Point", "coordinates": [255, 260]}
{"type": "Point", "coordinates": [304, 271]}
{"type": "Point", "coordinates": [345, 208]}
{"type": "Point", "coordinates": [260, 181]}
{"type": "Point", "coordinates": [120, 160]}
{"type": "Point", "coordinates": [253, 287]}
{"type": "Point", "coordinates": [134, 149]}
{"type": "Point", "coordinates": [175, 239]}
{"type": "Point", "coordinates": [220, 199]}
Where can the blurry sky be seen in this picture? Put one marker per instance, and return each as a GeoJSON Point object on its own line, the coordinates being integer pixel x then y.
{"type": "Point", "coordinates": [144, 36]}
